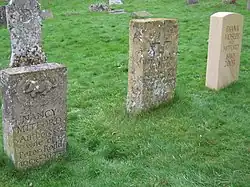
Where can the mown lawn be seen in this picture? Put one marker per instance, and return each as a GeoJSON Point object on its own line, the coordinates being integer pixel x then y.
{"type": "Point", "coordinates": [201, 139]}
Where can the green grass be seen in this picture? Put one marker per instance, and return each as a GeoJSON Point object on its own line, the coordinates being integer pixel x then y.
{"type": "Point", "coordinates": [201, 139]}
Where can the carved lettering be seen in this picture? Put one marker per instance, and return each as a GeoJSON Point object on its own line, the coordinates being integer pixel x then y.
{"type": "Point", "coordinates": [230, 59]}
{"type": "Point", "coordinates": [233, 28]}
{"type": "Point", "coordinates": [38, 115]}
{"type": "Point", "coordinates": [231, 50]}
{"type": "Point", "coordinates": [231, 47]}
{"type": "Point", "coordinates": [29, 153]}
{"type": "Point", "coordinates": [37, 136]}
{"type": "Point", "coordinates": [38, 159]}
{"type": "Point", "coordinates": [56, 145]}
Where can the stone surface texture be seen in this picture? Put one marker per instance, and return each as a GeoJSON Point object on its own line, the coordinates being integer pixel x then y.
{"type": "Point", "coordinates": [24, 24]}
{"type": "Point", "coordinates": [3, 16]}
{"type": "Point", "coordinates": [34, 113]}
{"type": "Point", "coordinates": [153, 45]}
{"type": "Point", "coordinates": [224, 49]}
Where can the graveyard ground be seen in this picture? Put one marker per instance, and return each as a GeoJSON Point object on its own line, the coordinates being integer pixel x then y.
{"type": "Point", "coordinates": [200, 139]}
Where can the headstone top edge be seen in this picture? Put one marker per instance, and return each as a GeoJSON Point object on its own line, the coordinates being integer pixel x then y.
{"type": "Point", "coordinates": [33, 68]}
{"type": "Point", "coordinates": [224, 14]}
{"type": "Point", "coordinates": [153, 19]}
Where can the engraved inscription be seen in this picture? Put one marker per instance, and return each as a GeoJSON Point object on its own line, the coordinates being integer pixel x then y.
{"type": "Point", "coordinates": [231, 49]}
{"type": "Point", "coordinates": [38, 137]}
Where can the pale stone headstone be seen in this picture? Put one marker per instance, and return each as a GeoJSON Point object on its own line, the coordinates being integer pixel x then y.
{"type": "Point", "coordinates": [192, 1]}
{"type": "Point", "coordinates": [24, 24]}
{"type": "Point", "coordinates": [224, 49]}
{"type": "Point", "coordinates": [115, 2]}
{"type": "Point", "coordinates": [248, 4]}
{"type": "Point", "coordinates": [3, 16]}
{"type": "Point", "coordinates": [153, 45]}
{"type": "Point", "coordinates": [34, 93]}
{"type": "Point", "coordinates": [141, 14]}
{"type": "Point", "coordinates": [229, 1]}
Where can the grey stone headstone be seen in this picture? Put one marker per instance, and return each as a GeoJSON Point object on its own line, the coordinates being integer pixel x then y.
{"type": "Point", "coordinates": [248, 4]}
{"type": "Point", "coordinates": [24, 24]}
{"type": "Point", "coordinates": [120, 11]}
{"type": "Point", "coordinates": [3, 16]}
{"type": "Point", "coordinates": [115, 2]}
{"type": "Point", "coordinates": [229, 1]}
{"type": "Point", "coordinates": [34, 113]}
{"type": "Point", "coordinates": [46, 14]}
{"type": "Point", "coordinates": [99, 7]}
{"type": "Point", "coordinates": [34, 92]}
{"type": "Point", "coordinates": [192, 1]}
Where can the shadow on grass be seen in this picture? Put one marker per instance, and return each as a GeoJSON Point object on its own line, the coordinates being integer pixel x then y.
{"type": "Point", "coordinates": [115, 152]}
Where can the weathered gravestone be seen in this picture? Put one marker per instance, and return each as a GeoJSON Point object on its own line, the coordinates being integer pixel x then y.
{"type": "Point", "coordinates": [3, 16]}
{"type": "Point", "coordinates": [229, 1]}
{"type": "Point", "coordinates": [99, 7]}
{"type": "Point", "coordinates": [118, 11]}
{"type": "Point", "coordinates": [34, 96]}
{"type": "Point", "coordinates": [115, 2]}
{"type": "Point", "coordinates": [153, 45]}
{"type": "Point", "coordinates": [224, 49]}
{"type": "Point", "coordinates": [46, 14]}
{"type": "Point", "coordinates": [248, 4]}
{"type": "Point", "coordinates": [24, 24]}
{"type": "Point", "coordinates": [141, 14]}
{"type": "Point", "coordinates": [192, 1]}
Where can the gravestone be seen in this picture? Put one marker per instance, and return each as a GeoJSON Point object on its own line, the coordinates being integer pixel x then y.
{"type": "Point", "coordinates": [248, 4]}
{"type": "Point", "coordinates": [24, 23]}
{"type": "Point", "coordinates": [3, 16]}
{"type": "Point", "coordinates": [119, 11]}
{"type": "Point", "coordinates": [224, 49]}
{"type": "Point", "coordinates": [153, 45]}
{"type": "Point", "coordinates": [229, 1]}
{"type": "Point", "coordinates": [34, 93]}
{"type": "Point", "coordinates": [141, 14]}
{"type": "Point", "coordinates": [115, 2]}
{"type": "Point", "coordinates": [34, 113]}
{"type": "Point", "coordinates": [99, 7]}
{"type": "Point", "coordinates": [192, 1]}
{"type": "Point", "coordinates": [46, 14]}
